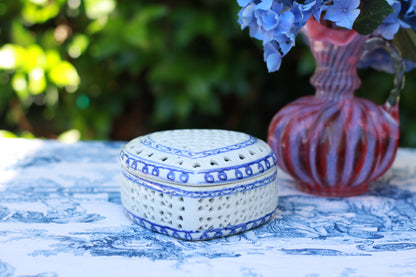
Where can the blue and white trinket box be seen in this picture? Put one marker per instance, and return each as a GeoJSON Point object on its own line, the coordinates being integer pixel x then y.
{"type": "Point", "coordinates": [198, 184]}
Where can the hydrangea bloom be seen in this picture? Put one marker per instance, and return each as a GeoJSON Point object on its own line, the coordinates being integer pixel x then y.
{"type": "Point", "coordinates": [277, 22]}
{"type": "Point", "coordinates": [343, 13]}
{"type": "Point", "coordinates": [391, 24]}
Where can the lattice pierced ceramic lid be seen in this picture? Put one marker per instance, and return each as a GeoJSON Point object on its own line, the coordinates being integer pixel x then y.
{"type": "Point", "coordinates": [198, 184]}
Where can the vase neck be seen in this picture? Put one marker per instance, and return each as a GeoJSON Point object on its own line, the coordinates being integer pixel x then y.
{"type": "Point", "coordinates": [336, 65]}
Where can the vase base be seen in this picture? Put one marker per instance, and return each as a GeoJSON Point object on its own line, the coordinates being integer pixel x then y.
{"type": "Point", "coordinates": [332, 191]}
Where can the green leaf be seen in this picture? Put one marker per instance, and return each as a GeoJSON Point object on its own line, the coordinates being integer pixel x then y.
{"type": "Point", "coordinates": [64, 74]}
{"type": "Point", "coordinates": [7, 134]}
{"type": "Point", "coordinates": [70, 136]}
{"type": "Point", "coordinates": [164, 108]}
{"type": "Point", "coordinates": [40, 12]}
{"type": "Point", "coordinates": [96, 9]}
{"type": "Point", "coordinates": [37, 81]}
{"type": "Point", "coordinates": [20, 35]}
{"type": "Point", "coordinates": [187, 30]}
{"type": "Point", "coordinates": [19, 84]}
{"type": "Point", "coordinates": [8, 57]}
{"type": "Point", "coordinates": [78, 45]}
{"type": "Point", "coordinates": [371, 16]}
{"type": "Point", "coordinates": [405, 41]}
{"type": "Point", "coordinates": [138, 31]}
{"type": "Point", "coordinates": [183, 106]}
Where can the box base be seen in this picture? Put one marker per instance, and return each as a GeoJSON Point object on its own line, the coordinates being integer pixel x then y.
{"type": "Point", "coordinates": [198, 235]}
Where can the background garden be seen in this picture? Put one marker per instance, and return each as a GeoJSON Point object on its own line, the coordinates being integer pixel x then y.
{"type": "Point", "coordinates": [114, 70]}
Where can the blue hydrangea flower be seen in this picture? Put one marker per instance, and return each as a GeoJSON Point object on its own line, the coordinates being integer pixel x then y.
{"type": "Point", "coordinates": [391, 23]}
{"type": "Point", "coordinates": [246, 16]}
{"type": "Point", "coordinates": [264, 5]}
{"type": "Point", "coordinates": [267, 19]}
{"type": "Point", "coordinates": [408, 14]}
{"type": "Point", "coordinates": [316, 7]}
{"type": "Point", "coordinates": [380, 60]}
{"type": "Point", "coordinates": [343, 12]}
{"type": "Point", "coordinates": [262, 17]}
{"type": "Point", "coordinates": [243, 3]}
{"type": "Point", "coordinates": [277, 22]}
{"type": "Point", "coordinates": [272, 56]}
{"type": "Point", "coordinates": [412, 6]}
{"type": "Point", "coordinates": [285, 41]}
{"type": "Point", "coordinates": [301, 13]}
{"type": "Point", "coordinates": [304, 11]}
{"type": "Point", "coordinates": [287, 20]}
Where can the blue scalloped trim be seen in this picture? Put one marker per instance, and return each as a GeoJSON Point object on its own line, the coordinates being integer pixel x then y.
{"type": "Point", "coordinates": [149, 142]}
{"type": "Point", "coordinates": [198, 194]}
{"type": "Point", "coordinates": [210, 176]}
{"type": "Point", "coordinates": [198, 235]}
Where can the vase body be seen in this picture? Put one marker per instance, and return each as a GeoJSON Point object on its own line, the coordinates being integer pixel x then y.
{"type": "Point", "coordinates": [333, 143]}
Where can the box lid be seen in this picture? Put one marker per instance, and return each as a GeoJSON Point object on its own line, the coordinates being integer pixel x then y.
{"type": "Point", "coordinates": [198, 157]}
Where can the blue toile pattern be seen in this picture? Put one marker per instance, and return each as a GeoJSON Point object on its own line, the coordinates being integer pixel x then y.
{"type": "Point", "coordinates": [60, 215]}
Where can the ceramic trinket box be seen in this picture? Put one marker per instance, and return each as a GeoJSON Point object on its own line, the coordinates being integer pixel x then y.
{"type": "Point", "coordinates": [198, 184]}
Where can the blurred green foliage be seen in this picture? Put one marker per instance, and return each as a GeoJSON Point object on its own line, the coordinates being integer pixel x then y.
{"type": "Point", "coordinates": [106, 69]}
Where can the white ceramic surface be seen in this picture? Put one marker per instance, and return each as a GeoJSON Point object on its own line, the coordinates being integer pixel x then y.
{"type": "Point", "coordinates": [198, 184]}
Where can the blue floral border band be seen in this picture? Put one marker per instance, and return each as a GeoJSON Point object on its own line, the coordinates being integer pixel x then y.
{"type": "Point", "coordinates": [174, 191]}
{"type": "Point", "coordinates": [199, 235]}
{"type": "Point", "coordinates": [216, 176]}
{"type": "Point", "coordinates": [149, 142]}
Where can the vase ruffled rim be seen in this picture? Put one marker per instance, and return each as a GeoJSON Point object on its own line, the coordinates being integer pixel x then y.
{"type": "Point", "coordinates": [320, 32]}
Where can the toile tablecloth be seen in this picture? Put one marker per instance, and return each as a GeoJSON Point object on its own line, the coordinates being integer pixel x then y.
{"type": "Point", "coordinates": [60, 215]}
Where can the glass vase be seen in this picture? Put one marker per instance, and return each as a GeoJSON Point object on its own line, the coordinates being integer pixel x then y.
{"type": "Point", "coordinates": [333, 143]}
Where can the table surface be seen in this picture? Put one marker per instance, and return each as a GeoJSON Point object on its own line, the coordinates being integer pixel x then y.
{"type": "Point", "coordinates": [60, 215]}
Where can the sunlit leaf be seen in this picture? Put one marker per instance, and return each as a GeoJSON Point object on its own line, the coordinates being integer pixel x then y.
{"type": "Point", "coordinates": [96, 26]}
{"type": "Point", "coordinates": [48, 40]}
{"type": "Point", "coordinates": [20, 56]}
{"type": "Point", "coordinates": [51, 96]}
{"type": "Point", "coordinates": [20, 35]}
{"type": "Point", "coordinates": [39, 2]}
{"type": "Point", "coordinates": [64, 74]}
{"type": "Point", "coordinates": [52, 59]}
{"type": "Point", "coordinates": [78, 45]}
{"type": "Point", "coordinates": [38, 13]}
{"type": "Point", "coordinates": [35, 57]}
{"type": "Point", "coordinates": [96, 9]}
{"type": "Point", "coordinates": [7, 57]}
{"type": "Point", "coordinates": [7, 134]}
{"type": "Point", "coordinates": [74, 4]}
{"type": "Point", "coordinates": [37, 81]}
{"type": "Point", "coordinates": [19, 84]}
{"type": "Point", "coordinates": [27, 135]}
{"type": "Point", "coordinates": [70, 136]}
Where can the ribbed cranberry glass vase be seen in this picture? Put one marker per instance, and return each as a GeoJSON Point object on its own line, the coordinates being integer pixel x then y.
{"type": "Point", "coordinates": [334, 143]}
